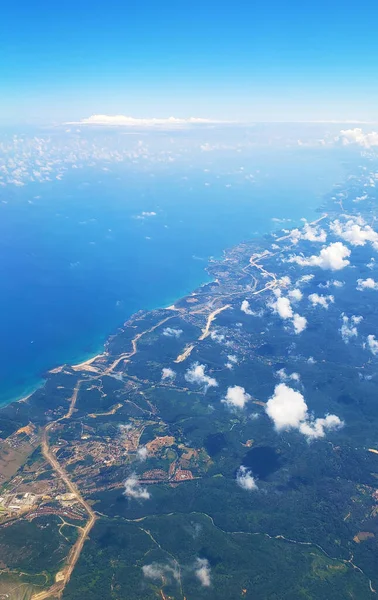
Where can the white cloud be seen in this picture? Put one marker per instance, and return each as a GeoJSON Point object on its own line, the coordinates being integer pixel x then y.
{"type": "Point", "coordinates": [317, 428]}
{"type": "Point", "coordinates": [245, 308]}
{"type": "Point", "coordinates": [348, 328]}
{"type": "Point", "coordinates": [217, 337]}
{"type": "Point", "coordinates": [281, 373]}
{"type": "Point", "coordinates": [284, 281]}
{"type": "Point", "coordinates": [245, 479]}
{"type": "Point", "coordinates": [305, 279]}
{"type": "Point", "coordinates": [196, 374]}
{"type": "Point", "coordinates": [357, 136]}
{"type": "Point", "coordinates": [295, 295]}
{"type": "Point", "coordinates": [371, 264]}
{"type": "Point", "coordinates": [373, 344]}
{"type": "Point", "coordinates": [167, 373]}
{"type": "Point", "coordinates": [282, 307]}
{"type": "Point", "coordinates": [171, 332]}
{"type": "Point", "coordinates": [125, 121]}
{"type": "Point", "coordinates": [366, 284]}
{"type": "Point", "coordinates": [232, 361]}
{"type": "Point", "coordinates": [142, 453]}
{"type": "Point", "coordinates": [355, 231]}
{"type": "Point", "coordinates": [333, 257]}
{"type": "Point", "coordinates": [299, 323]}
{"type": "Point", "coordinates": [161, 571]}
{"type": "Point", "coordinates": [145, 214]}
{"type": "Point", "coordinates": [288, 410]}
{"type": "Point", "coordinates": [335, 283]}
{"type": "Point", "coordinates": [323, 301]}
{"type": "Point", "coordinates": [133, 489]}
{"type": "Point", "coordinates": [202, 571]}
{"type": "Point", "coordinates": [309, 232]}
{"type": "Point", "coordinates": [236, 397]}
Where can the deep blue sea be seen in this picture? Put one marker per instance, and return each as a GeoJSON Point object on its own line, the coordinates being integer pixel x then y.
{"type": "Point", "coordinates": [76, 261]}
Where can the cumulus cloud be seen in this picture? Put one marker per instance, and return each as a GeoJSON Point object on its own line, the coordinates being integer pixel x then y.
{"type": "Point", "coordinates": [332, 257]}
{"type": "Point", "coordinates": [299, 323]}
{"type": "Point", "coordinates": [287, 407]}
{"type": "Point", "coordinates": [145, 214]}
{"type": "Point", "coordinates": [371, 264]}
{"type": "Point", "coordinates": [202, 571]}
{"type": "Point", "coordinates": [348, 328]}
{"type": "Point", "coordinates": [245, 308]}
{"type": "Point", "coordinates": [245, 479]}
{"type": "Point", "coordinates": [142, 453]}
{"type": "Point", "coordinates": [236, 397]}
{"type": "Point", "coordinates": [318, 427]}
{"type": "Point", "coordinates": [305, 279]}
{"type": "Point", "coordinates": [372, 344]}
{"type": "Point", "coordinates": [232, 361]}
{"type": "Point", "coordinates": [171, 332]}
{"type": "Point", "coordinates": [161, 571]}
{"type": "Point", "coordinates": [312, 233]}
{"type": "Point", "coordinates": [323, 301]}
{"type": "Point", "coordinates": [335, 283]}
{"type": "Point", "coordinates": [167, 373]}
{"type": "Point", "coordinates": [282, 307]}
{"type": "Point", "coordinates": [196, 374]}
{"type": "Point", "coordinates": [217, 337]}
{"type": "Point", "coordinates": [366, 284]}
{"type": "Point", "coordinates": [133, 489]}
{"type": "Point", "coordinates": [288, 410]}
{"type": "Point", "coordinates": [281, 373]}
{"type": "Point", "coordinates": [295, 295]}
{"type": "Point", "coordinates": [357, 136]}
{"type": "Point", "coordinates": [355, 231]}
{"type": "Point", "coordinates": [125, 121]}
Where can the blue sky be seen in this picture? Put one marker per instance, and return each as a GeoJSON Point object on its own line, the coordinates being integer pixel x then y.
{"type": "Point", "coordinates": [265, 60]}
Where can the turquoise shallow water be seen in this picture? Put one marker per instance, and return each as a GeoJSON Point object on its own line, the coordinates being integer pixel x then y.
{"type": "Point", "coordinates": [76, 260]}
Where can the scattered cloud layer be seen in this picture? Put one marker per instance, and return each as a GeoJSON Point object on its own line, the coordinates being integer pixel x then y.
{"type": "Point", "coordinates": [323, 301]}
{"type": "Point", "coordinates": [355, 231]}
{"type": "Point", "coordinates": [282, 306]}
{"type": "Point", "coordinates": [357, 136]}
{"type": "Point", "coordinates": [348, 328]}
{"type": "Point", "coordinates": [125, 121]}
{"type": "Point", "coordinates": [312, 233]}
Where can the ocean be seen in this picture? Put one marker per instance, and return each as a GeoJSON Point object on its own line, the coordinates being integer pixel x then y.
{"type": "Point", "coordinates": [78, 256]}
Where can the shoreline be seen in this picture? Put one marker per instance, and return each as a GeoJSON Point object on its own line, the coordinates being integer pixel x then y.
{"type": "Point", "coordinates": [87, 362]}
{"type": "Point", "coordinates": [26, 394]}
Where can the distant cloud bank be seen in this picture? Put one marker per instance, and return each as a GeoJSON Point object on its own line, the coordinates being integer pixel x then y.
{"type": "Point", "coordinates": [125, 121]}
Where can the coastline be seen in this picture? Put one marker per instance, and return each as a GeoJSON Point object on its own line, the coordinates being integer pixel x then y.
{"type": "Point", "coordinates": [87, 360]}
